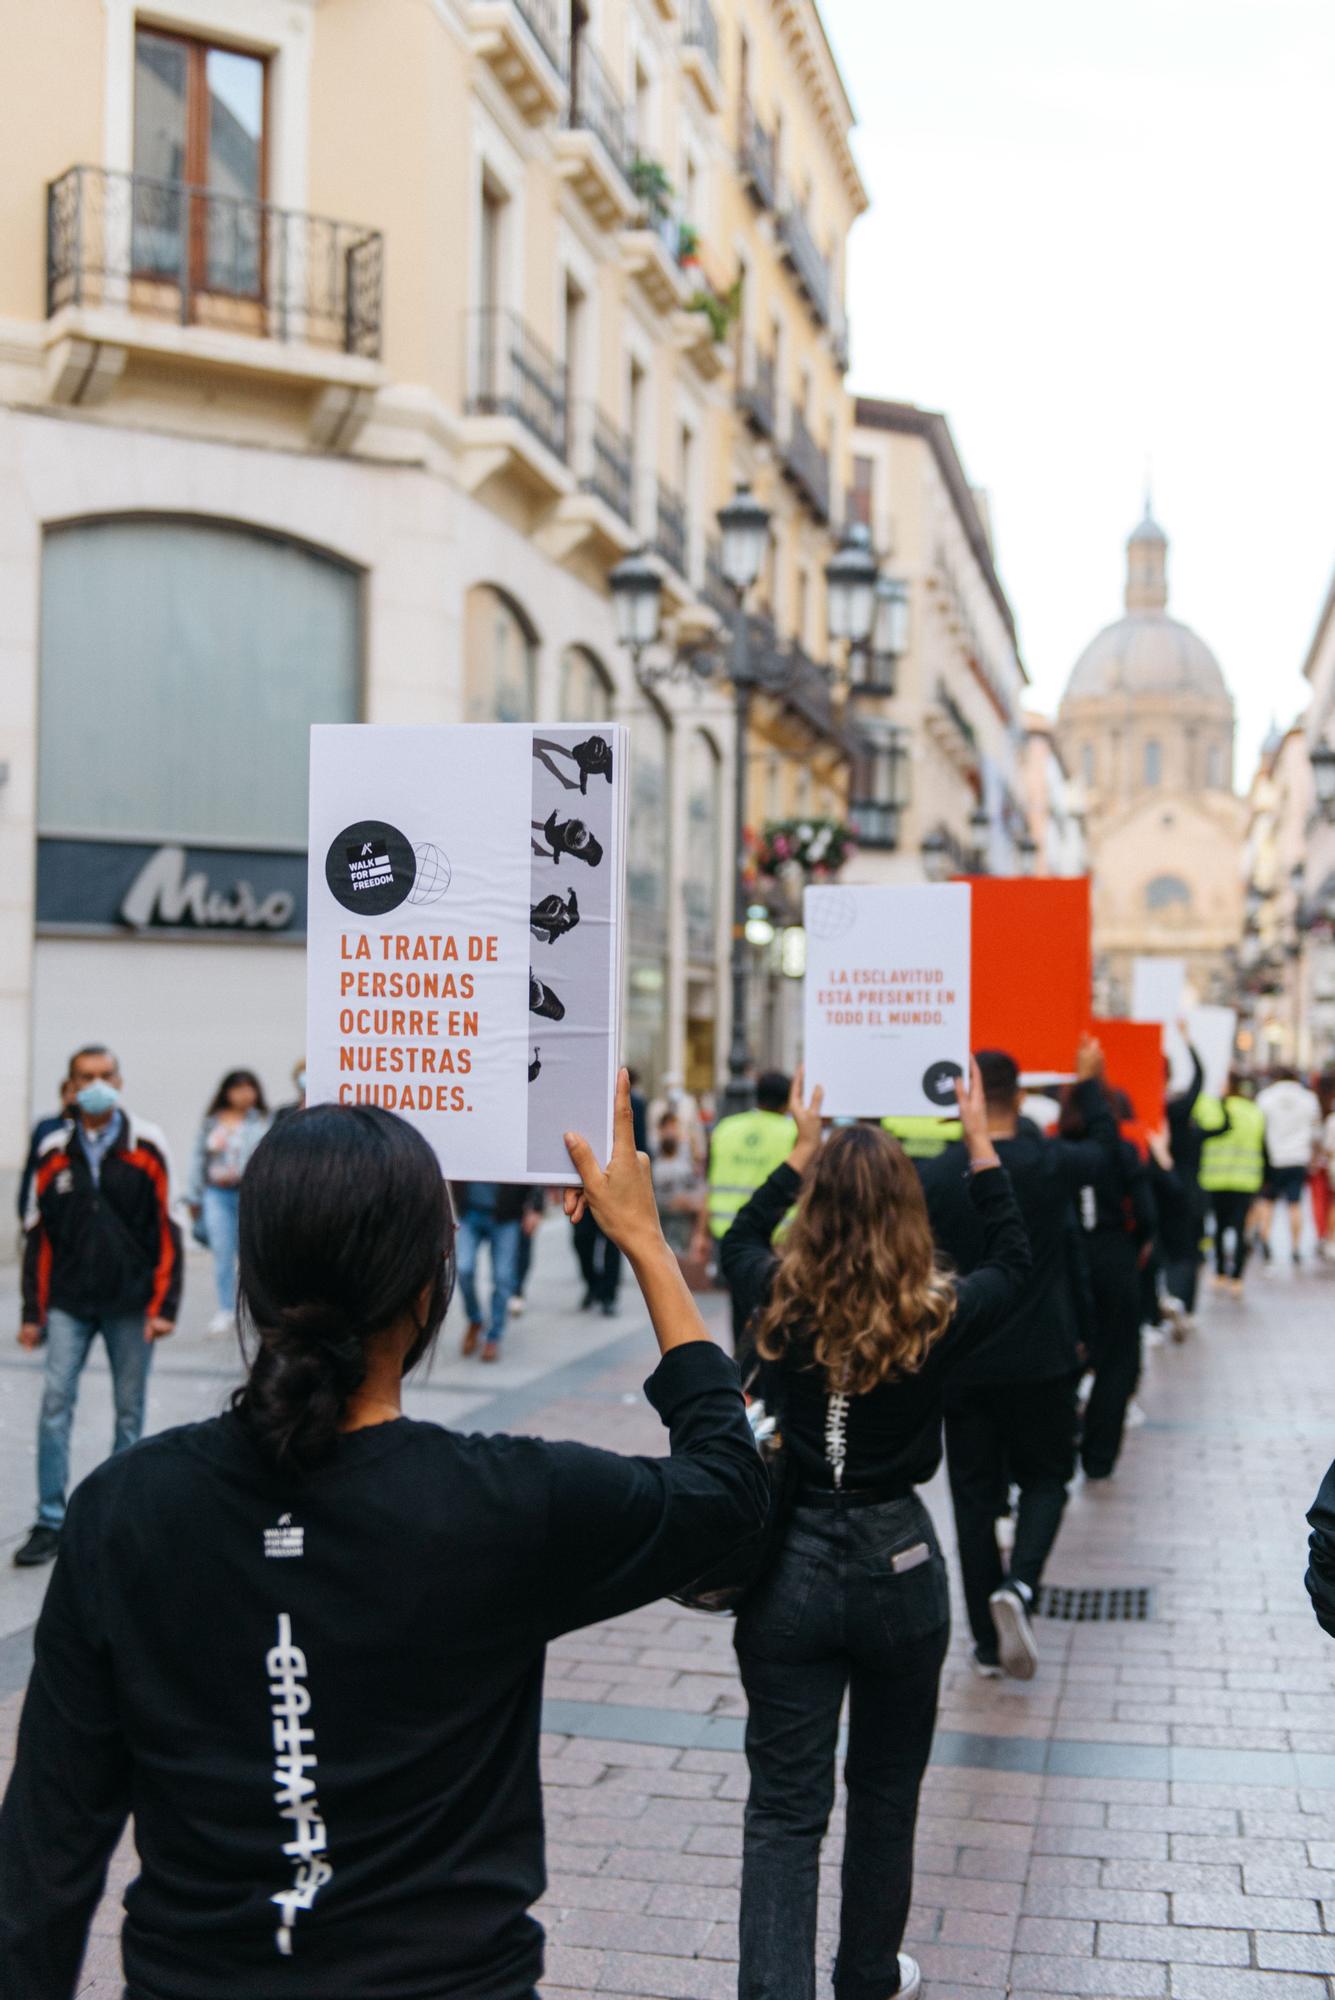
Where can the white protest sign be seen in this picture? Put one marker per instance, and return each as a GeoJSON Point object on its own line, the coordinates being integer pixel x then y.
{"type": "Point", "coordinates": [1212, 1030]}
{"type": "Point", "coordinates": [886, 1002]}
{"type": "Point", "coordinates": [1158, 989]}
{"type": "Point", "coordinates": [466, 903]}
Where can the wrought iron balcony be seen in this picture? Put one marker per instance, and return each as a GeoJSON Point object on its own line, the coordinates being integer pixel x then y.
{"type": "Point", "coordinates": [811, 270]}
{"type": "Point", "coordinates": [807, 466]}
{"type": "Point", "coordinates": [165, 250]}
{"type": "Point", "coordinates": [756, 396]}
{"type": "Point", "coordinates": [880, 788]}
{"type": "Point", "coordinates": [597, 106]}
{"type": "Point", "coordinates": [755, 157]}
{"type": "Point", "coordinates": [701, 50]}
{"type": "Point", "coordinates": [670, 532]}
{"type": "Point", "coordinates": [512, 374]}
{"type": "Point", "coordinates": [609, 474]}
{"type": "Point", "coordinates": [543, 21]}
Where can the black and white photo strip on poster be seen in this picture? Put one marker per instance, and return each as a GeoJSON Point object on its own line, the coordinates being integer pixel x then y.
{"type": "Point", "coordinates": [578, 863]}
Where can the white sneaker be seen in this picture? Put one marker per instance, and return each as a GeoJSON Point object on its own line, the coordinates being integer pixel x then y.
{"type": "Point", "coordinates": [1135, 1416]}
{"type": "Point", "coordinates": [986, 1670]}
{"type": "Point", "coordinates": [516, 1305]}
{"type": "Point", "coordinates": [1015, 1636]}
{"type": "Point", "coordinates": [910, 1978]}
{"type": "Point", "coordinates": [222, 1323]}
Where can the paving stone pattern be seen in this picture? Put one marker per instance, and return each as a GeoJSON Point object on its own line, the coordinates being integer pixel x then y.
{"type": "Point", "coordinates": [1215, 1886]}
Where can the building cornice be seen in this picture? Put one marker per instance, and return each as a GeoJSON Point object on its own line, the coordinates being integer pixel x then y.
{"type": "Point", "coordinates": [876, 414]}
{"type": "Point", "coordinates": [800, 24]}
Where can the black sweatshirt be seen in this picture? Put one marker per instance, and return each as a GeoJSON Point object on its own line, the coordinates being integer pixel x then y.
{"type": "Point", "coordinates": [890, 1436]}
{"type": "Point", "coordinates": [321, 1700]}
{"type": "Point", "coordinates": [1036, 1340]}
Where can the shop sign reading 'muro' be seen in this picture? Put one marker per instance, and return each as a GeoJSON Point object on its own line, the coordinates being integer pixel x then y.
{"type": "Point", "coordinates": [166, 892]}
{"type": "Point", "coordinates": [169, 889]}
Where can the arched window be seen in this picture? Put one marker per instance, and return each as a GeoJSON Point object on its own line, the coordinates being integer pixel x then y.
{"type": "Point", "coordinates": [1153, 762]}
{"type": "Point", "coordinates": [500, 668]}
{"type": "Point", "coordinates": [586, 689]}
{"type": "Point", "coordinates": [703, 846]}
{"type": "Point", "coordinates": [1168, 893]}
{"type": "Point", "coordinates": [182, 665]}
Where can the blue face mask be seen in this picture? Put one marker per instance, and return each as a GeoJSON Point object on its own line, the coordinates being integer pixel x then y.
{"type": "Point", "coordinates": [96, 1099]}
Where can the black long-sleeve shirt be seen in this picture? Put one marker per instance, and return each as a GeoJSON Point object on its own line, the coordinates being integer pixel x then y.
{"type": "Point", "coordinates": [1320, 1578]}
{"type": "Point", "coordinates": [1036, 1340]}
{"type": "Point", "coordinates": [891, 1435]}
{"type": "Point", "coordinates": [320, 1700]}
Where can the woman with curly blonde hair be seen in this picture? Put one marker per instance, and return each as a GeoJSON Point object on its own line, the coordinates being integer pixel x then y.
{"type": "Point", "coordinates": [857, 1329]}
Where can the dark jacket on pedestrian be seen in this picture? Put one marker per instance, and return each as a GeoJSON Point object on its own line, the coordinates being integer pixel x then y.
{"type": "Point", "coordinates": [890, 1437]}
{"type": "Point", "coordinates": [507, 1201]}
{"type": "Point", "coordinates": [41, 1132]}
{"type": "Point", "coordinates": [320, 1695]}
{"type": "Point", "coordinates": [1320, 1577]}
{"type": "Point", "coordinates": [1186, 1139]}
{"type": "Point", "coordinates": [108, 1244]}
{"type": "Point", "coordinates": [1037, 1340]}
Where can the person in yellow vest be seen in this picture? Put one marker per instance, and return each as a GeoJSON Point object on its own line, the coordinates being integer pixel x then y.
{"type": "Point", "coordinates": [924, 1138]}
{"type": "Point", "coordinates": [1232, 1174]}
{"type": "Point", "coordinates": [744, 1150]}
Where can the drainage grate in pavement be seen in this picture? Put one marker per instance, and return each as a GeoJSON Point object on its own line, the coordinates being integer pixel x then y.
{"type": "Point", "coordinates": [1132, 1604]}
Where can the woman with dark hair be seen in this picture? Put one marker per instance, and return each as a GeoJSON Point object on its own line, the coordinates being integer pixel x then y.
{"type": "Point", "coordinates": [233, 1126]}
{"type": "Point", "coordinates": [304, 1642]}
{"type": "Point", "coordinates": [857, 1336]}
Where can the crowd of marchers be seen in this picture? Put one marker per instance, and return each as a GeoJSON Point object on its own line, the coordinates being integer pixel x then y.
{"type": "Point", "coordinates": [302, 1644]}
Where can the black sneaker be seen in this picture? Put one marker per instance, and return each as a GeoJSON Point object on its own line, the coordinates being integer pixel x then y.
{"type": "Point", "coordinates": [1015, 1638]}
{"type": "Point", "coordinates": [40, 1547]}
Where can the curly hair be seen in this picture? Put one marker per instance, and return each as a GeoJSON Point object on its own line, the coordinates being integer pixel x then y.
{"type": "Point", "coordinates": [857, 1282]}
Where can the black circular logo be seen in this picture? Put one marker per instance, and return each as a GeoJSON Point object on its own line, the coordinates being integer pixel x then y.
{"type": "Point", "coordinates": [938, 1083]}
{"type": "Point", "coordinates": [370, 868]}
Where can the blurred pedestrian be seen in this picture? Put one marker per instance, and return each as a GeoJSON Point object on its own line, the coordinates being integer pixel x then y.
{"type": "Point", "coordinates": [1232, 1174]}
{"type": "Point", "coordinates": [495, 1213]}
{"type": "Point", "coordinates": [1292, 1116]}
{"type": "Point", "coordinates": [1011, 1403]}
{"type": "Point", "coordinates": [1181, 1204]}
{"type": "Point", "coordinates": [102, 1254]}
{"type": "Point", "coordinates": [858, 1334]}
{"type": "Point", "coordinates": [1117, 1216]}
{"type": "Point", "coordinates": [304, 1642]}
{"type": "Point", "coordinates": [297, 1103]}
{"type": "Point", "coordinates": [678, 1189]}
{"type": "Point", "coordinates": [530, 1223]}
{"type": "Point", "coordinates": [1323, 1164]}
{"type": "Point", "coordinates": [744, 1149]}
{"type": "Point", "coordinates": [235, 1122]}
{"type": "Point", "coordinates": [41, 1132]}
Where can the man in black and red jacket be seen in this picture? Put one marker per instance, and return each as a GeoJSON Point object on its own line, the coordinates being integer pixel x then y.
{"type": "Point", "coordinates": [102, 1255]}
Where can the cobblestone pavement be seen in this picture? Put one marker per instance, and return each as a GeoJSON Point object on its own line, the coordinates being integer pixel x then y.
{"type": "Point", "coordinates": [1153, 1815]}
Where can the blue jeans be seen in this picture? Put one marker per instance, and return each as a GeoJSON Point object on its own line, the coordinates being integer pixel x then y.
{"type": "Point", "coordinates": [834, 1612]}
{"type": "Point", "coordinates": [475, 1229]}
{"type": "Point", "coordinates": [67, 1343]}
{"type": "Point", "coordinates": [221, 1208]}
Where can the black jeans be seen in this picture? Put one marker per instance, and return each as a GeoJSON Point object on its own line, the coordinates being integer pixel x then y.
{"type": "Point", "coordinates": [1231, 1210]}
{"type": "Point", "coordinates": [1116, 1356]}
{"type": "Point", "coordinates": [599, 1261]}
{"type": "Point", "coordinates": [997, 1433]}
{"type": "Point", "coordinates": [834, 1613]}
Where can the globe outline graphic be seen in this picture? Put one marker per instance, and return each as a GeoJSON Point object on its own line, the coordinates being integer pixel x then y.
{"type": "Point", "coordinates": [434, 873]}
{"type": "Point", "coordinates": [831, 914]}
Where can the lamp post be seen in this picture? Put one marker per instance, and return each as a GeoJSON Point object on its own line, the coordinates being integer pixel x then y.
{"type": "Point", "coordinates": [980, 826]}
{"type": "Point", "coordinates": [937, 861]}
{"type": "Point", "coordinates": [637, 597]}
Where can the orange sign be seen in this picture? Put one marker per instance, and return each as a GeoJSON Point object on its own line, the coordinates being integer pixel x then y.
{"type": "Point", "coordinates": [1133, 1059]}
{"type": "Point", "coordinates": [1031, 972]}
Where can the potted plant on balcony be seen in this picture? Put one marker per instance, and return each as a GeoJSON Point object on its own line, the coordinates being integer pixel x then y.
{"type": "Point", "coordinates": [649, 180]}
{"type": "Point", "coordinates": [719, 308]}
{"type": "Point", "coordinates": [796, 851]}
{"type": "Point", "coordinates": [688, 245]}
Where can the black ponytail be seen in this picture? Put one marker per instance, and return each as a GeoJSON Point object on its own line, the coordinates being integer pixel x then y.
{"type": "Point", "coordinates": [344, 1224]}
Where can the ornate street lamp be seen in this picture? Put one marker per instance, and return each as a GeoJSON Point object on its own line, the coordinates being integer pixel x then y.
{"type": "Point", "coordinates": [980, 826]}
{"type": "Point", "coordinates": [744, 526]}
{"type": "Point", "coordinates": [637, 597]}
{"type": "Point", "coordinates": [937, 861]}
{"type": "Point", "coordinates": [850, 581]}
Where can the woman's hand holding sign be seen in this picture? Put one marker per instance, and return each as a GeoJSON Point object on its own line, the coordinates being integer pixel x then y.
{"type": "Point", "coordinates": [620, 1197]}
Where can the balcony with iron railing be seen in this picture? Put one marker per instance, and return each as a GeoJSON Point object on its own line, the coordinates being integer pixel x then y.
{"type": "Point", "coordinates": [596, 151]}
{"type": "Point", "coordinates": [800, 252]}
{"type": "Point", "coordinates": [512, 374]}
{"type": "Point", "coordinates": [880, 787]}
{"type": "Point", "coordinates": [756, 158]}
{"type": "Point", "coordinates": [524, 42]}
{"type": "Point", "coordinates": [756, 397]}
{"type": "Point", "coordinates": [807, 466]}
{"type": "Point", "coordinates": [608, 466]}
{"type": "Point", "coordinates": [700, 52]}
{"type": "Point", "coordinates": [163, 250]}
{"type": "Point", "coordinates": [671, 539]}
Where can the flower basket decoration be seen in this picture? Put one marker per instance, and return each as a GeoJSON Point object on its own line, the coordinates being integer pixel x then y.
{"type": "Point", "coordinates": [797, 851]}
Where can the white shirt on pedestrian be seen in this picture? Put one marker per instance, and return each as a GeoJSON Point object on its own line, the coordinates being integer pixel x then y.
{"type": "Point", "coordinates": [1292, 1122]}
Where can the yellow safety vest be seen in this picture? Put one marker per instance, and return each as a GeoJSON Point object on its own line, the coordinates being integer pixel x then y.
{"type": "Point", "coordinates": [924, 1138]}
{"type": "Point", "coordinates": [1234, 1161]}
{"type": "Point", "coordinates": [744, 1150]}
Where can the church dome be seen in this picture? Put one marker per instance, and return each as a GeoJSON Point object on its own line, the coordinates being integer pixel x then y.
{"type": "Point", "coordinates": [1147, 652]}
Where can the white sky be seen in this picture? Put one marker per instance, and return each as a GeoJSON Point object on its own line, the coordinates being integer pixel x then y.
{"type": "Point", "coordinates": [1101, 237]}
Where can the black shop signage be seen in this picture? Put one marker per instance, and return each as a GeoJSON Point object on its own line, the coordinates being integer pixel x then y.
{"type": "Point", "coordinates": [152, 889]}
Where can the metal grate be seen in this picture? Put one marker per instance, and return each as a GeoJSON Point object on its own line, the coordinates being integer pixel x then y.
{"type": "Point", "coordinates": [1131, 1604]}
